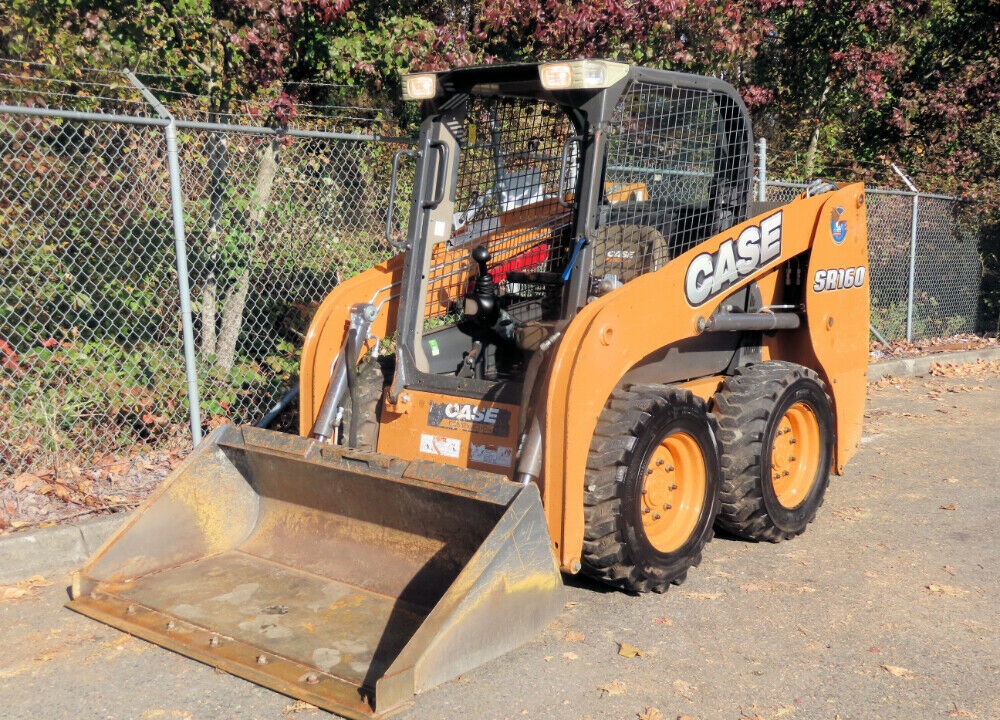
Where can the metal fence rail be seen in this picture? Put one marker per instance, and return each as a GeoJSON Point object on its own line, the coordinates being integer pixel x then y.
{"type": "Point", "coordinates": [119, 213]}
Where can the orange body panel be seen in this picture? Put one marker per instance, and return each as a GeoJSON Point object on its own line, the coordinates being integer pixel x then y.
{"type": "Point", "coordinates": [613, 333]}
{"type": "Point", "coordinates": [453, 431]}
{"type": "Point", "coordinates": [379, 285]}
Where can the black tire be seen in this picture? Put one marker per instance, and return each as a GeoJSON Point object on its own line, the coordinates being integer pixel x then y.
{"type": "Point", "coordinates": [769, 495]}
{"type": "Point", "coordinates": [626, 543]}
{"type": "Point", "coordinates": [361, 432]}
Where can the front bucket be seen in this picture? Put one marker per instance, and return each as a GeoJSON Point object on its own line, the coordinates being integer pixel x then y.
{"type": "Point", "coordinates": [348, 580]}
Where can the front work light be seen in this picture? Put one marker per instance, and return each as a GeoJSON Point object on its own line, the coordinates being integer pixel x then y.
{"type": "Point", "coordinates": [581, 74]}
{"type": "Point", "coordinates": [420, 86]}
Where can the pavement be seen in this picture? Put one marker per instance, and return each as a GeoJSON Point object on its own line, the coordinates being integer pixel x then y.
{"type": "Point", "coordinates": [884, 609]}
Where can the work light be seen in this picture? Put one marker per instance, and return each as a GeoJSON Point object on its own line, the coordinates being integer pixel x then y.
{"type": "Point", "coordinates": [580, 74]}
{"type": "Point", "coordinates": [419, 86]}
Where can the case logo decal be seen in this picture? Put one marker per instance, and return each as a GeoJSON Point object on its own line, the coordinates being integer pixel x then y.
{"type": "Point", "coordinates": [469, 418]}
{"type": "Point", "coordinates": [712, 273]}
{"type": "Point", "coordinates": [838, 227]}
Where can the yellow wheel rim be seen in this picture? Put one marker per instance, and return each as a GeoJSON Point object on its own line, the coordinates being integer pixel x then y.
{"type": "Point", "coordinates": [795, 455]}
{"type": "Point", "coordinates": [673, 492]}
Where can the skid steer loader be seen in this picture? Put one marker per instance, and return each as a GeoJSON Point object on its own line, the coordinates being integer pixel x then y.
{"type": "Point", "coordinates": [592, 349]}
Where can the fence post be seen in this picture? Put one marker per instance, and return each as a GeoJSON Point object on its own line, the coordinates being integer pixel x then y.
{"type": "Point", "coordinates": [762, 170]}
{"type": "Point", "coordinates": [913, 250]}
{"type": "Point", "coordinates": [180, 245]}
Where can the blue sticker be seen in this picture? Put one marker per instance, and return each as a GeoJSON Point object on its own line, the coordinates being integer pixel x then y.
{"type": "Point", "coordinates": [838, 227]}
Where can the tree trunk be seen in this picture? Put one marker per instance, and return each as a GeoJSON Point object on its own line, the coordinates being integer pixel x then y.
{"type": "Point", "coordinates": [235, 302]}
{"type": "Point", "coordinates": [218, 166]}
{"type": "Point", "coordinates": [817, 118]}
{"type": "Point", "coordinates": [807, 171]}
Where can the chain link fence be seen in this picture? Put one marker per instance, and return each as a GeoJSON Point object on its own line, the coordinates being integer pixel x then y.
{"type": "Point", "coordinates": [92, 338]}
{"type": "Point", "coordinates": [263, 219]}
{"type": "Point", "coordinates": [925, 261]}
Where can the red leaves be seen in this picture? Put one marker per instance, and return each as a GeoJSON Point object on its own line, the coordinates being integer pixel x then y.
{"type": "Point", "coordinates": [269, 30]}
{"type": "Point", "coordinates": [8, 358]}
{"type": "Point", "coordinates": [283, 109]}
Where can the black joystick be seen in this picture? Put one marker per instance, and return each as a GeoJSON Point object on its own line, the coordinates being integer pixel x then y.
{"type": "Point", "coordinates": [482, 302]}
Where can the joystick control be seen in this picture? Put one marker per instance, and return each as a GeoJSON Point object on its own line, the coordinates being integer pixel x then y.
{"type": "Point", "coordinates": [481, 303]}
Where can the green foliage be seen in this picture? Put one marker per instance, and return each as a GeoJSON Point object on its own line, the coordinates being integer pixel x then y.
{"type": "Point", "coordinates": [90, 398]}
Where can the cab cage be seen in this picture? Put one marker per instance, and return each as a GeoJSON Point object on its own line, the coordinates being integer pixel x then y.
{"type": "Point", "coordinates": [572, 191]}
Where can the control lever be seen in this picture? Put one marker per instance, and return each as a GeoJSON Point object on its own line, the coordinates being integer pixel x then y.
{"type": "Point", "coordinates": [481, 303]}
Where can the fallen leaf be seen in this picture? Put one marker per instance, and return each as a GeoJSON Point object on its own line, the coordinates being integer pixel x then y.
{"type": "Point", "coordinates": [547, 658]}
{"type": "Point", "coordinates": [571, 603]}
{"type": "Point", "coordinates": [955, 712]}
{"type": "Point", "coordinates": [570, 655]}
{"type": "Point", "coordinates": [897, 671]}
{"type": "Point", "coordinates": [684, 689]}
{"type": "Point", "coordinates": [22, 481]}
{"type": "Point", "coordinates": [951, 480]}
{"type": "Point", "coordinates": [663, 621]}
{"type": "Point", "coordinates": [25, 588]}
{"type": "Point", "coordinates": [629, 651]}
{"type": "Point", "coordinates": [297, 707]}
{"type": "Point", "coordinates": [703, 596]}
{"type": "Point", "coordinates": [947, 590]}
{"type": "Point", "coordinates": [652, 713]}
{"type": "Point", "coordinates": [615, 687]}
{"type": "Point", "coordinates": [949, 507]}
{"type": "Point", "coordinates": [574, 636]}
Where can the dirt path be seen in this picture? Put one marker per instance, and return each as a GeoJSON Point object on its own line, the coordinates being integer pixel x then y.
{"type": "Point", "coordinates": [885, 609]}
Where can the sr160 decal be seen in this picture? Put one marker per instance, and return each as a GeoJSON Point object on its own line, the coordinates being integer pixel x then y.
{"type": "Point", "coordinates": [839, 278]}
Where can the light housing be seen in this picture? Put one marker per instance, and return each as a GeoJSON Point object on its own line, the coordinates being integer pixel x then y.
{"type": "Point", "coordinates": [581, 74]}
{"type": "Point", "coordinates": [419, 86]}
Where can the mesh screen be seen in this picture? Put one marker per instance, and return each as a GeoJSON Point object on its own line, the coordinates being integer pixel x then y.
{"type": "Point", "coordinates": [667, 150]}
{"type": "Point", "coordinates": [506, 198]}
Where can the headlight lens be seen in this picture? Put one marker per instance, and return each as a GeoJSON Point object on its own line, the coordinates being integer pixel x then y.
{"type": "Point", "coordinates": [578, 74]}
{"type": "Point", "coordinates": [419, 86]}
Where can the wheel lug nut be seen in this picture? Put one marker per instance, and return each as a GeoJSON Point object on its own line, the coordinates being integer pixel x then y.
{"type": "Point", "coordinates": [673, 486]}
{"type": "Point", "coordinates": [656, 516]}
{"type": "Point", "coordinates": [645, 511]}
{"type": "Point", "coordinates": [667, 506]}
{"type": "Point", "coordinates": [659, 461]}
{"type": "Point", "coordinates": [670, 468]}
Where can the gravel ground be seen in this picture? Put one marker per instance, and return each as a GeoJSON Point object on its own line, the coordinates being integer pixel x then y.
{"type": "Point", "coordinates": [885, 609]}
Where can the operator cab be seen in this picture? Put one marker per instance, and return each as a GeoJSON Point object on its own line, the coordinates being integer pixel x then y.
{"type": "Point", "coordinates": [540, 187]}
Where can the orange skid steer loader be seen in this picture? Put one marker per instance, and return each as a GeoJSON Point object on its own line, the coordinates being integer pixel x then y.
{"type": "Point", "coordinates": [592, 349]}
